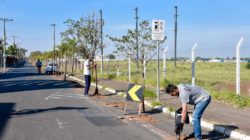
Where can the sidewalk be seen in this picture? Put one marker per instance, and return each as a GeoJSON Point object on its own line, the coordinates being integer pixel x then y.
{"type": "Point", "coordinates": [234, 122]}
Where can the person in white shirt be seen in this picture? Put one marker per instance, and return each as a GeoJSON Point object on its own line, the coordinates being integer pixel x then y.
{"type": "Point", "coordinates": [87, 75]}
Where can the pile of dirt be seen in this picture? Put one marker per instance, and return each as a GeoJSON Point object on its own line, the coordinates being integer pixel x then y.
{"type": "Point", "coordinates": [142, 118]}
{"type": "Point", "coordinates": [114, 104]}
{"type": "Point", "coordinates": [99, 96]}
{"type": "Point", "coordinates": [244, 86]}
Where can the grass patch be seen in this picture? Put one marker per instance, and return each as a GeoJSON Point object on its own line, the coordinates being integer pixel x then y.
{"type": "Point", "coordinates": [156, 103]}
{"type": "Point", "coordinates": [171, 109]}
{"type": "Point", "coordinates": [232, 98]}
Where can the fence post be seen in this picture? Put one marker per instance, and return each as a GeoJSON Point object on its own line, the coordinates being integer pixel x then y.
{"type": "Point", "coordinates": [164, 62]}
{"type": "Point", "coordinates": [193, 63]}
{"type": "Point", "coordinates": [238, 65]}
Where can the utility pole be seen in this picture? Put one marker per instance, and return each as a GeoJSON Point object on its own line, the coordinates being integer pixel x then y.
{"type": "Point", "coordinates": [101, 42]}
{"type": "Point", "coordinates": [4, 41]}
{"type": "Point", "coordinates": [54, 38]}
{"type": "Point", "coordinates": [136, 30]}
{"type": "Point", "coordinates": [14, 45]}
{"type": "Point", "coordinates": [175, 37]}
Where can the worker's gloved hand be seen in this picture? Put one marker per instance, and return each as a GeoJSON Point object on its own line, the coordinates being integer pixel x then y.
{"type": "Point", "coordinates": [179, 128]}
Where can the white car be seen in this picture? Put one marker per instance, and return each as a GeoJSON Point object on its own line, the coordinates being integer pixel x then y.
{"type": "Point", "coordinates": [49, 68]}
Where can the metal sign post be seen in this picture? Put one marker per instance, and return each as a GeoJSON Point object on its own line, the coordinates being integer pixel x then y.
{"type": "Point", "coordinates": [158, 35]}
{"type": "Point", "coordinates": [136, 94]}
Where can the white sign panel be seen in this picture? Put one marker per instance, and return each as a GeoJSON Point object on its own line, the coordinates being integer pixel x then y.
{"type": "Point", "coordinates": [158, 29]}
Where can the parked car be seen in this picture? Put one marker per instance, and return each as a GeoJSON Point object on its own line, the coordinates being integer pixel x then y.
{"type": "Point", "coordinates": [49, 68]}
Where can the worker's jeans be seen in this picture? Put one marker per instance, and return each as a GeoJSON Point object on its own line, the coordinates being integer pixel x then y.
{"type": "Point", "coordinates": [87, 84]}
{"type": "Point", "coordinates": [198, 111]}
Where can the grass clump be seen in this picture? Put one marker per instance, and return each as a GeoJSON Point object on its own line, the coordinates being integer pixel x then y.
{"type": "Point", "coordinates": [232, 98]}
{"type": "Point", "coordinates": [149, 93]}
{"type": "Point", "coordinates": [248, 66]}
{"type": "Point", "coordinates": [111, 76]}
{"type": "Point", "coordinates": [156, 103]}
{"type": "Point", "coordinates": [171, 109]}
{"type": "Point", "coordinates": [122, 94]}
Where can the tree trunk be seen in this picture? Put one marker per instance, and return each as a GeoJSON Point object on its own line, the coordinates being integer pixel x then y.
{"type": "Point", "coordinates": [65, 69]}
{"type": "Point", "coordinates": [73, 64]}
{"type": "Point", "coordinates": [145, 69]}
{"type": "Point", "coordinates": [118, 69]}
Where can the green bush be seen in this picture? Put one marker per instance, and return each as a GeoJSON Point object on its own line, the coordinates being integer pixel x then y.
{"type": "Point", "coordinates": [248, 66]}
{"type": "Point", "coordinates": [111, 76]}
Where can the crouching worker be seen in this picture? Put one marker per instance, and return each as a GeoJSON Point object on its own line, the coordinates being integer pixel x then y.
{"type": "Point", "coordinates": [192, 95]}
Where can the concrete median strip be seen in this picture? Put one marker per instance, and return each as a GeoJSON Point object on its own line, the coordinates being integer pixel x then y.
{"type": "Point", "coordinates": [204, 123]}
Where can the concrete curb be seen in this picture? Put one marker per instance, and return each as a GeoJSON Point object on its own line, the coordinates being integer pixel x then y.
{"type": "Point", "coordinates": [210, 126]}
{"type": "Point", "coordinates": [4, 71]}
{"type": "Point", "coordinates": [204, 123]}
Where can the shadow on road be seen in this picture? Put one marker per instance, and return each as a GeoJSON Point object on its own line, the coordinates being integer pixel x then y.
{"type": "Point", "coordinates": [16, 74]}
{"type": "Point", "coordinates": [213, 135]}
{"type": "Point", "coordinates": [5, 112]}
{"type": "Point", "coordinates": [28, 85]}
{"type": "Point", "coordinates": [26, 112]}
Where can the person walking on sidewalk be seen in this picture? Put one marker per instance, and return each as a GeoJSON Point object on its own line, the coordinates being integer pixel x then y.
{"type": "Point", "coordinates": [87, 75]}
{"type": "Point", "coordinates": [193, 95]}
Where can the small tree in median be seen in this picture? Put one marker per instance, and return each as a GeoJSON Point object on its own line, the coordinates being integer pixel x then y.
{"type": "Point", "coordinates": [126, 45]}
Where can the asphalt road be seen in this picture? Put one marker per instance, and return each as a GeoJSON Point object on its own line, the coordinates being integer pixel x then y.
{"type": "Point", "coordinates": [41, 107]}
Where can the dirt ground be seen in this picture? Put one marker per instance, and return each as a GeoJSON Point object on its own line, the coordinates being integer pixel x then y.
{"type": "Point", "coordinates": [114, 104]}
{"type": "Point", "coordinates": [244, 87]}
{"type": "Point", "coordinates": [142, 118]}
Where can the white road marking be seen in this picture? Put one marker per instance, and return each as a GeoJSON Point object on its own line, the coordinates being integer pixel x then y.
{"type": "Point", "coordinates": [61, 124]}
{"type": "Point", "coordinates": [67, 95]}
{"type": "Point", "coordinates": [58, 84]}
{"type": "Point", "coordinates": [8, 85]}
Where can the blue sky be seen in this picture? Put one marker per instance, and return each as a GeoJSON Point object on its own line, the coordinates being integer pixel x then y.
{"type": "Point", "coordinates": [216, 24]}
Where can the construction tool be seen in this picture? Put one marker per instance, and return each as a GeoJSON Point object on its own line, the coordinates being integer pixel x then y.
{"type": "Point", "coordinates": [178, 130]}
{"type": "Point", "coordinates": [96, 83]}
